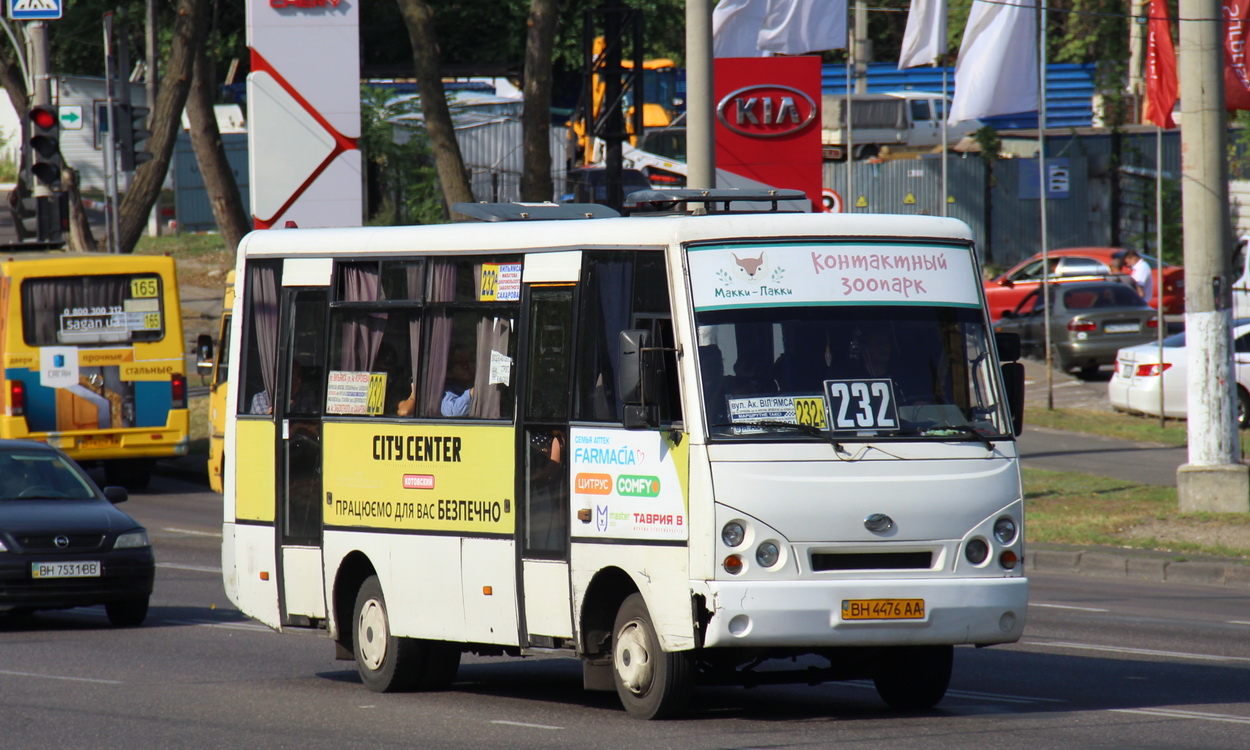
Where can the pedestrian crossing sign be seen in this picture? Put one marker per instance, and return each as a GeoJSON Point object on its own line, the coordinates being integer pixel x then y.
{"type": "Point", "coordinates": [34, 10]}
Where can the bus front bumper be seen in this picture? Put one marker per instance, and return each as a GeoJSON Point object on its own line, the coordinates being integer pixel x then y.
{"type": "Point", "coordinates": [811, 613]}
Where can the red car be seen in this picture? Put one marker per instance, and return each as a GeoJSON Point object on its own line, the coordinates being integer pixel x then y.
{"type": "Point", "coordinates": [1077, 264]}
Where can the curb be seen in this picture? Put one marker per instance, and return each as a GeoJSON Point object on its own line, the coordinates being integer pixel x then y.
{"type": "Point", "coordinates": [1142, 566]}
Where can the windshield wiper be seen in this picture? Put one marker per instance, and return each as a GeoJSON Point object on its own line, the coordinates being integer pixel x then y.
{"type": "Point", "coordinates": [806, 429]}
{"type": "Point", "coordinates": [965, 430]}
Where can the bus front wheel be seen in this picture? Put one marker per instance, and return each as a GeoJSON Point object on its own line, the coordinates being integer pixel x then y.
{"type": "Point", "coordinates": [386, 663]}
{"type": "Point", "coordinates": [651, 683]}
{"type": "Point", "coordinates": [914, 678]}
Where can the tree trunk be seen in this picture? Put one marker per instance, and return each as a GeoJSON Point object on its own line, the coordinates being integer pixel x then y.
{"type": "Point", "coordinates": [81, 238]}
{"type": "Point", "coordinates": [210, 154]}
{"type": "Point", "coordinates": [448, 162]}
{"type": "Point", "coordinates": [165, 121]}
{"type": "Point", "coordinates": [536, 115]}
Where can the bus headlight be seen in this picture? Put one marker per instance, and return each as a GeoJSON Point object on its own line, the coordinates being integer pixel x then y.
{"type": "Point", "coordinates": [976, 551]}
{"type": "Point", "coordinates": [1005, 530]}
{"type": "Point", "coordinates": [767, 554]}
{"type": "Point", "coordinates": [733, 534]}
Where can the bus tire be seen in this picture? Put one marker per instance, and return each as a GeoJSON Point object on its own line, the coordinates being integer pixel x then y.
{"type": "Point", "coordinates": [914, 678]}
{"type": "Point", "coordinates": [651, 683]}
{"type": "Point", "coordinates": [386, 663]}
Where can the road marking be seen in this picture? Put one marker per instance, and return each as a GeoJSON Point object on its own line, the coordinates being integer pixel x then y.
{"type": "Point", "coordinates": [60, 677]}
{"type": "Point", "coordinates": [1067, 606]}
{"type": "Point", "coordinates": [1174, 713]}
{"type": "Point", "coordinates": [192, 532]}
{"type": "Point", "coordinates": [1239, 622]}
{"type": "Point", "coordinates": [223, 625]}
{"type": "Point", "coordinates": [970, 694]}
{"type": "Point", "coordinates": [197, 568]}
{"type": "Point", "coordinates": [523, 724]}
{"type": "Point", "coordinates": [1139, 651]}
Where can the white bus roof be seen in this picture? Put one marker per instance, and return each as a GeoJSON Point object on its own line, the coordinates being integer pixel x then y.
{"type": "Point", "coordinates": [637, 231]}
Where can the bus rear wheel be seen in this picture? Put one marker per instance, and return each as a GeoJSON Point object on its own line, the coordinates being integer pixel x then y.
{"type": "Point", "coordinates": [385, 662]}
{"type": "Point", "coordinates": [914, 678]}
{"type": "Point", "coordinates": [651, 683]}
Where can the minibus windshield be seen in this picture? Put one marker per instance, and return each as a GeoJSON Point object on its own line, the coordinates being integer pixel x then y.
{"type": "Point", "coordinates": [856, 371]}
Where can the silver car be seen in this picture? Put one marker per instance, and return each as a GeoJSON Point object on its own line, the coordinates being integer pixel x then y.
{"type": "Point", "coordinates": [1089, 323]}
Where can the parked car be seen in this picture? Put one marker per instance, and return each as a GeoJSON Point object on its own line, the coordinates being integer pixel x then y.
{"type": "Point", "coordinates": [1004, 292]}
{"type": "Point", "coordinates": [1140, 373]}
{"type": "Point", "coordinates": [1090, 321]}
{"type": "Point", "coordinates": [63, 543]}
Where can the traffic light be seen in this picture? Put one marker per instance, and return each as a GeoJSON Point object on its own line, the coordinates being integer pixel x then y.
{"type": "Point", "coordinates": [131, 136]}
{"type": "Point", "coordinates": [45, 146]}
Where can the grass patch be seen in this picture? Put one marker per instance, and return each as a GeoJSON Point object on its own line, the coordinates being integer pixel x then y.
{"type": "Point", "coordinates": [197, 409]}
{"type": "Point", "coordinates": [1082, 509]}
{"type": "Point", "coordinates": [203, 247]}
{"type": "Point", "coordinates": [1142, 429]}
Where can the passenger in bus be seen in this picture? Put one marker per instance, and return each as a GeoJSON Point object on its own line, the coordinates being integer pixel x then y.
{"type": "Point", "coordinates": [458, 390]}
{"type": "Point", "coordinates": [912, 377]}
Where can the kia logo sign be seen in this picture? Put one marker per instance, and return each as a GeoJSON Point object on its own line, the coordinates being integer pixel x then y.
{"type": "Point", "coordinates": [766, 111]}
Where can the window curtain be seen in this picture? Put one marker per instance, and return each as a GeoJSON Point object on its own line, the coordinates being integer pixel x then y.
{"type": "Point", "coordinates": [612, 290]}
{"type": "Point", "coordinates": [493, 335]}
{"type": "Point", "coordinates": [414, 275]}
{"type": "Point", "coordinates": [362, 334]}
{"type": "Point", "coordinates": [264, 286]}
{"type": "Point", "coordinates": [442, 289]}
{"type": "Point", "coordinates": [47, 298]}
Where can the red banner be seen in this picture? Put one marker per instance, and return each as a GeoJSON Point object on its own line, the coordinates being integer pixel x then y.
{"type": "Point", "coordinates": [768, 121]}
{"type": "Point", "coordinates": [1236, 15]}
{"type": "Point", "coordinates": [1161, 85]}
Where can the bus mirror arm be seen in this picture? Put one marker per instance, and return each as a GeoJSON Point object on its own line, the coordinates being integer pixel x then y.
{"type": "Point", "coordinates": [638, 375]}
{"type": "Point", "coordinates": [1013, 380]}
{"type": "Point", "coordinates": [204, 355]}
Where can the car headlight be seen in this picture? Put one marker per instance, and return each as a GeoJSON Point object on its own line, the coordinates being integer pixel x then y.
{"type": "Point", "coordinates": [2, 547]}
{"type": "Point", "coordinates": [132, 540]}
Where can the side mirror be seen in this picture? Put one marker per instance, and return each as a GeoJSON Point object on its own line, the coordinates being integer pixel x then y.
{"type": "Point", "coordinates": [1007, 284]}
{"type": "Point", "coordinates": [637, 378]}
{"type": "Point", "coordinates": [1008, 314]}
{"type": "Point", "coordinates": [204, 355]}
{"type": "Point", "coordinates": [1013, 381]}
{"type": "Point", "coordinates": [116, 495]}
{"type": "Point", "coordinates": [1008, 345]}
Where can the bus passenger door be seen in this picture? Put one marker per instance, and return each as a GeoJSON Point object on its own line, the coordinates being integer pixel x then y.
{"type": "Point", "coordinates": [301, 355]}
{"type": "Point", "coordinates": [543, 529]}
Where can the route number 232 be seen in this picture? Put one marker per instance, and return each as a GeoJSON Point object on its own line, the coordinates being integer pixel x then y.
{"type": "Point", "coordinates": [861, 404]}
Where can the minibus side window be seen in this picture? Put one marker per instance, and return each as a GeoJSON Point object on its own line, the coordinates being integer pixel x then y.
{"type": "Point", "coordinates": [260, 348]}
{"type": "Point", "coordinates": [622, 291]}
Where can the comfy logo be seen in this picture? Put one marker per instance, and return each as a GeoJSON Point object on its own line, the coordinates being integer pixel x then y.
{"type": "Point", "coordinates": [637, 486]}
{"type": "Point", "coordinates": [593, 484]}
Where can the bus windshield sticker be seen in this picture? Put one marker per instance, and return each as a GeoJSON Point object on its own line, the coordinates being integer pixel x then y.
{"type": "Point", "coordinates": [762, 408]}
{"type": "Point", "coordinates": [807, 273]}
{"type": "Point", "coordinates": [349, 392]}
{"type": "Point", "coordinates": [377, 394]}
{"type": "Point", "coordinates": [144, 286]}
{"type": "Point", "coordinates": [501, 282]}
{"type": "Point", "coordinates": [861, 405]}
{"type": "Point", "coordinates": [500, 368]}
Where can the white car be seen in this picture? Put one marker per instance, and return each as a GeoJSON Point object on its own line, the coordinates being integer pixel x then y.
{"type": "Point", "coordinates": [1139, 375]}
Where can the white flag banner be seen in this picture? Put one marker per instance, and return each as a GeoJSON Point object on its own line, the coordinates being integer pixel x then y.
{"type": "Point", "coordinates": [996, 73]}
{"type": "Point", "coordinates": [736, 28]}
{"type": "Point", "coordinates": [924, 40]}
{"type": "Point", "coordinates": [796, 27]}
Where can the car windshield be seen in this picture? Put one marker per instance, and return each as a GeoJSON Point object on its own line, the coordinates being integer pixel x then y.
{"type": "Point", "coordinates": [40, 475]}
{"type": "Point", "coordinates": [869, 371]}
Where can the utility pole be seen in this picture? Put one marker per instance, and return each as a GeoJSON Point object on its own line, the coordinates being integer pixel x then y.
{"type": "Point", "coordinates": [1214, 479]}
{"type": "Point", "coordinates": [700, 140]}
{"type": "Point", "coordinates": [1136, 51]}
{"type": "Point", "coordinates": [863, 50]}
